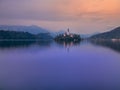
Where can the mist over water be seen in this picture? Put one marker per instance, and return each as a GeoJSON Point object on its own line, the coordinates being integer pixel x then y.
{"type": "Point", "coordinates": [47, 65]}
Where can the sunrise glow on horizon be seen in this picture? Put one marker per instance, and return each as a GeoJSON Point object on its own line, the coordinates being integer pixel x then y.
{"type": "Point", "coordinates": [83, 16]}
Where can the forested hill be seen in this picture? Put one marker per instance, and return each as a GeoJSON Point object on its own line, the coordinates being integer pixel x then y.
{"type": "Point", "coordinates": [22, 35]}
{"type": "Point", "coordinates": [113, 34]}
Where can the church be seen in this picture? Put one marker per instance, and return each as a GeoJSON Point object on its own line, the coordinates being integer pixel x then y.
{"type": "Point", "coordinates": [68, 37]}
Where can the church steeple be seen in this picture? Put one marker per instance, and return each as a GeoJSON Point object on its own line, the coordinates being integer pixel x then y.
{"type": "Point", "coordinates": [68, 32]}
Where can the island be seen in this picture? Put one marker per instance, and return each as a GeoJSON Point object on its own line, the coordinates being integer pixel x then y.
{"type": "Point", "coordinates": [68, 37]}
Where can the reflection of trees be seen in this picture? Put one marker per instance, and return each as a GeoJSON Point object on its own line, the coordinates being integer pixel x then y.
{"type": "Point", "coordinates": [12, 44]}
{"type": "Point", "coordinates": [68, 44]}
{"type": "Point", "coordinates": [114, 45]}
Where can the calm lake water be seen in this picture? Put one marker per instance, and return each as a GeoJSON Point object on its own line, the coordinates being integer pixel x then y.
{"type": "Point", "coordinates": [59, 66]}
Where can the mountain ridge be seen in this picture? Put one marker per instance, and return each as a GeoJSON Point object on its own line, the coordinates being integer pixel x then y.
{"type": "Point", "coordinates": [33, 29]}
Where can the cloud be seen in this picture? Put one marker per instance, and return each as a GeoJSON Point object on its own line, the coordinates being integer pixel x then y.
{"type": "Point", "coordinates": [53, 10]}
{"type": "Point", "coordinates": [61, 13]}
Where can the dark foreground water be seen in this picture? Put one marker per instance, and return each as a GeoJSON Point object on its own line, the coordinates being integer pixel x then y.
{"type": "Point", "coordinates": [59, 66]}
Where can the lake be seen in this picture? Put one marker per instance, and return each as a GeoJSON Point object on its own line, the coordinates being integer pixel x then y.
{"type": "Point", "coordinates": [47, 65]}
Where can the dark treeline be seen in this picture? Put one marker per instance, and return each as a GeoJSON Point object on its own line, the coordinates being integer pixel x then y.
{"type": "Point", "coordinates": [15, 35]}
{"type": "Point", "coordinates": [22, 35]}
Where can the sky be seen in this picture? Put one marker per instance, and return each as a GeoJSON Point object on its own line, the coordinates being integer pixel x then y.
{"type": "Point", "coordinates": [81, 16]}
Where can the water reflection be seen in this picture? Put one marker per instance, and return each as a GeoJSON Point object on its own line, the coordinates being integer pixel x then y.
{"type": "Point", "coordinates": [114, 45]}
{"type": "Point", "coordinates": [68, 44]}
{"type": "Point", "coordinates": [19, 44]}
{"type": "Point", "coordinates": [86, 67]}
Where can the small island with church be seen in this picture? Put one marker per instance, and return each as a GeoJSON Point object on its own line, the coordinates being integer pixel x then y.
{"type": "Point", "coordinates": [68, 37]}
